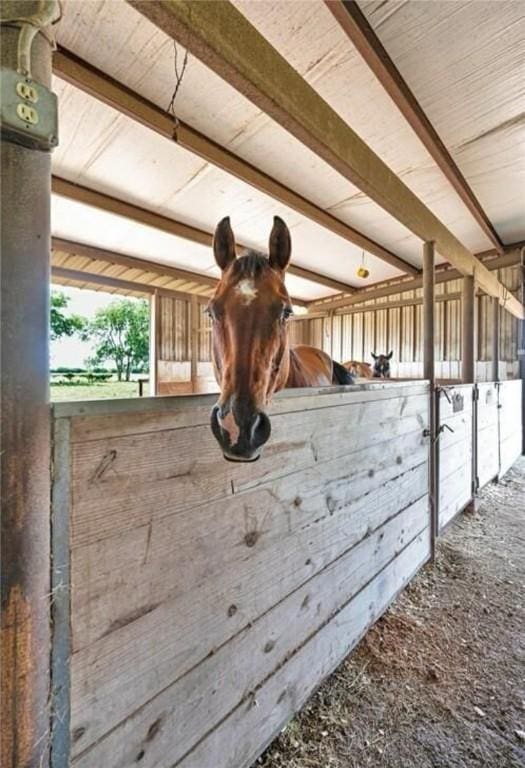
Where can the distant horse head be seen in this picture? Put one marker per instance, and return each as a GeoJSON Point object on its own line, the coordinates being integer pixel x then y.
{"type": "Point", "coordinates": [382, 365]}
{"type": "Point", "coordinates": [249, 310]}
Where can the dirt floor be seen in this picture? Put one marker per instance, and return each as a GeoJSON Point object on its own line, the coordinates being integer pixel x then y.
{"type": "Point", "coordinates": [439, 681]}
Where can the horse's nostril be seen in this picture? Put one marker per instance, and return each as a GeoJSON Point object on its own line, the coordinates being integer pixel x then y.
{"type": "Point", "coordinates": [261, 430]}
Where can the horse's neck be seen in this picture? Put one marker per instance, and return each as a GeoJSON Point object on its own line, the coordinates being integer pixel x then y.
{"type": "Point", "coordinates": [308, 367]}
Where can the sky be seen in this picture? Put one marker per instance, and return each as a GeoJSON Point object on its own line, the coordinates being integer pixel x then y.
{"type": "Point", "coordinates": [72, 352]}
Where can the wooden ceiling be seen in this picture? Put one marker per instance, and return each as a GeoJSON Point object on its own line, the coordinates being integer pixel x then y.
{"type": "Point", "coordinates": [104, 148]}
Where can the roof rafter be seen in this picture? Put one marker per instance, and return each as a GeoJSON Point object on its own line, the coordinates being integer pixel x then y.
{"type": "Point", "coordinates": [222, 38]}
{"type": "Point", "coordinates": [114, 205]}
{"type": "Point", "coordinates": [95, 278]}
{"type": "Point", "coordinates": [356, 26]}
{"type": "Point", "coordinates": [131, 262]}
{"type": "Point", "coordinates": [87, 78]}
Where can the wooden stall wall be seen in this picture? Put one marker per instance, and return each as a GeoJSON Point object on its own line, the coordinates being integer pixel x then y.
{"type": "Point", "coordinates": [509, 410]}
{"type": "Point", "coordinates": [487, 453]}
{"type": "Point", "coordinates": [396, 323]}
{"type": "Point", "coordinates": [175, 349]}
{"type": "Point", "coordinates": [209, 599]}
{"type": "Point", "coordinates": [455, 450]}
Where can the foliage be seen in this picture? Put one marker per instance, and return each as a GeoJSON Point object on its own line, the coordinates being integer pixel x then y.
{"type": "Point", "coordinates": [121, 334]}
{"type": "Point", "coordinates": [67, 369]}
{"type": "Point", "coordinates": [63, 324]}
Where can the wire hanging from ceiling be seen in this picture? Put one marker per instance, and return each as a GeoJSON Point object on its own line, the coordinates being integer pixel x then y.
{"type": "Point", "coordinates": [178, 80]}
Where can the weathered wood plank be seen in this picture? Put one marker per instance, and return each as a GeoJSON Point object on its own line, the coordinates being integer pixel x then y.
{"type": "Point", "coordinates": [117, 576]}
{"type": "Point", "coordinates": [287, 690]}
{"type": "Point", "coordinates": [121, 483]}
{"type": "Point", "coordinates": [107, 419]}
{"type": "Point", "coordinates": [509, 401]}
{"type": "Point", "coordinates": [455, 451]}
{"type": "Point", "coordinates": [453, 507]}
{"type": "Point", "coordinates": [200, 700]}
{"type": "Point", "coordinates": [60, 604]}
{"type": "Point", "coordinates": [461, 423]}
{"type": "Point", "coordinates": [454, 399]}
{"type": "Point", "coordinates": [202, 618]}
{"type": "Point", "coordinates": [456, 459]}
{"type": "Point", "coordinates": [487, 428]}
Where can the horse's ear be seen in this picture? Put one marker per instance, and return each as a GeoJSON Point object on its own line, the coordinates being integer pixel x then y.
{"type": "Point", "coordinates": [280, 247]}
{"type": "Point", "coordinates": [389, 356]}
{"type": "Point", "coordinates": [224, 244]}
{"type": "Point", "coordinates": [374, 356]}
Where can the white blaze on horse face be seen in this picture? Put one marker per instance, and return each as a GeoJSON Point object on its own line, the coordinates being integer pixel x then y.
{"type": "Point", "coordinates": [246, 290]}
{"type": "Point", "coordinates": [230, 426]}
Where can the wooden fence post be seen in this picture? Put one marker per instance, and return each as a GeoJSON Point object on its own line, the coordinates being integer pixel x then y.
{"type": "Point", "coordinates": [468, 330]}
{"type": "Point", "coordinates": [495, 339]}
{"type": "Point", "coordinates": [194, 341]}
{"type": "Point", "coordinates": [25, 424]}
{"type": "Point", "coordinates": [154, 317]}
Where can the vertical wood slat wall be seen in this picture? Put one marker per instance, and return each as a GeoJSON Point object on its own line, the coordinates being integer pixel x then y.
{"type": "Point", "coordinates": [354, 335]}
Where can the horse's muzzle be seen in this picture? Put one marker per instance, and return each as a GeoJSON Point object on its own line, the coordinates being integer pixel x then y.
{"type": "Point", "coordinates": [240, 432]}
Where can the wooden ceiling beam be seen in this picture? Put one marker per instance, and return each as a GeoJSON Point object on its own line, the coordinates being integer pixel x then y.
{"type": "Point", "coordinates": [131, 262]}
{"type": "Point", "coordinates": [224, 40]}
{"type": "Point", "coordinates": [87, 78]}
{"type": "Point", "coordinates": [391, 287]}
{"type": "Point", "coordinates": [97, 278]}
{"type": "Point", "coordinates": [361, 34]}
{"type": "Point", "coordinates": [114, 205]}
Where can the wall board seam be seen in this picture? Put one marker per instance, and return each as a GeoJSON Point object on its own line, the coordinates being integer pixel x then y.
{"type": "Point", "coordinates": [172, 428]}
{"type": "Point", "coordinates": [369, 532]}
{"type": "Point", "coordinates": [88, 408]}
{"type": "Point", "coordinates": [60, 595]}
{"type": "Point", "coordinates": [262, 486]}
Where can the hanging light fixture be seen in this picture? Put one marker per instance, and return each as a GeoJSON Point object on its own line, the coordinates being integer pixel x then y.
{"type": "Point", "coordinates": [362, 271]}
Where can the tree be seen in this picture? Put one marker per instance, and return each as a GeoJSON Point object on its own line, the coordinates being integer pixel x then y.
{"type": "Point", "coordinates": [62, 324]}
{"type": "Point", "coordinates": [121, 334]}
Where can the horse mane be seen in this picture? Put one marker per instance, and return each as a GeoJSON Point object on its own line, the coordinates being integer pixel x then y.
{"type": "Point", "coordinates": [251, 265]}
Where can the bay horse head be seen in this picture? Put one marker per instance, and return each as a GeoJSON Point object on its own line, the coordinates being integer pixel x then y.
{"type": "Point", "coordinates": [382, 365]}
{"type": "Point", "coordinates": [249, 310]}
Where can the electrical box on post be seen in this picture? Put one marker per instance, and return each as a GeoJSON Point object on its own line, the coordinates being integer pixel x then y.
{"type": "Point", "coordinates": [29, 114]}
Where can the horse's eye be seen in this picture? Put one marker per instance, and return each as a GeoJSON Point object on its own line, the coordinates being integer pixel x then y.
{"type": "Point", "coordinates": [213, 311]}
{"type": "Point", "coordinates": [287, 312]}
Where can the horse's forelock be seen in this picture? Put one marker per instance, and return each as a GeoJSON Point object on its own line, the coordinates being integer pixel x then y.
{"type": "Point", "coordinates": [250, 265]}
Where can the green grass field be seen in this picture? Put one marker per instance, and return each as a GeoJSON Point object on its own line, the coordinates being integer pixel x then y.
{"type": "Point", "coordinates": [97, 391]}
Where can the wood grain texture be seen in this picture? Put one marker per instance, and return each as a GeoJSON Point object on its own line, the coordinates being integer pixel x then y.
{"type": "Point", "coordinates": [487, 426]}
{"type": "Point", "coordinates": [286, 691]}
{"type": "Point", "coordinates": [510, 421]}
{"type": "Point", "coordinates": [455, 451]}
{"type": "Point", "coordinates": [197, 555]}
{"type": "Point", "coordinates": [198, 701]}
{"type": "Point", "coordinates": [149, 478]}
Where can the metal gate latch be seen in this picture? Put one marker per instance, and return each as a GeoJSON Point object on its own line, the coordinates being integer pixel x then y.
{"type": "Point", "coordinates": [426, 432]}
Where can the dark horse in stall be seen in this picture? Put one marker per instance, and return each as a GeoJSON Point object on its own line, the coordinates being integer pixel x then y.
{"type": "Point", "coordinates": [382, 365]}
{"type": "Point", "coordinates": [252, 356]}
